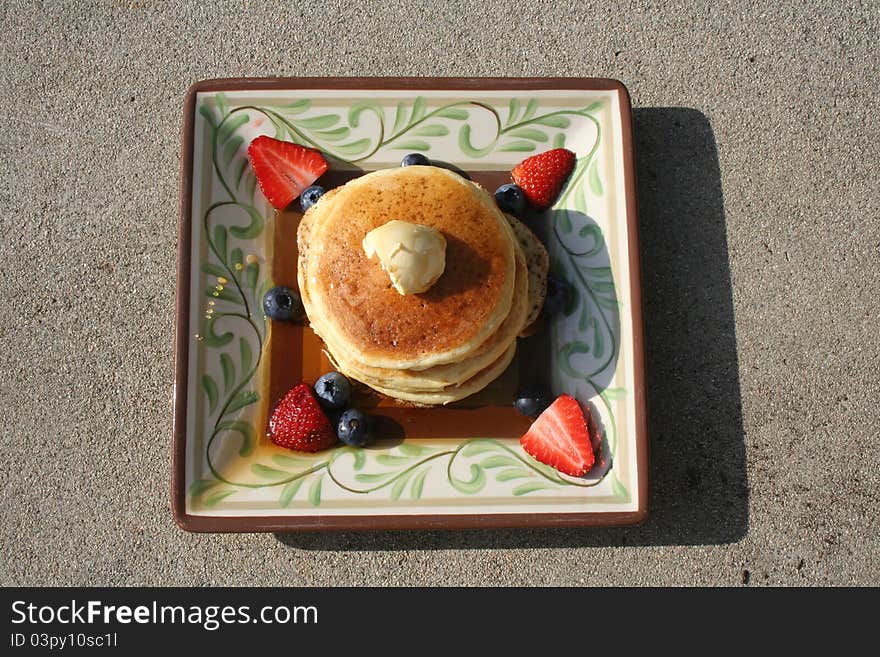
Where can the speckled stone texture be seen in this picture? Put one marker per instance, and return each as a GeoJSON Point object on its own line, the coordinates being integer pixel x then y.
{"type": "Point", "coordinates": [757, 133]}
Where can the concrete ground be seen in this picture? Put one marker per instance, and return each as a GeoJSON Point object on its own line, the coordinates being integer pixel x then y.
{"type": "Point", "coordinates": [757, 133]}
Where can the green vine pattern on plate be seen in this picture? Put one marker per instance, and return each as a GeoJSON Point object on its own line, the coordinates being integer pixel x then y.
{"type": "Point", "coordinates": [519, 129]}
{"type": "Point", "coordinates": [400, 473]}
{"type": "Point", "coordinates": [582, 259]}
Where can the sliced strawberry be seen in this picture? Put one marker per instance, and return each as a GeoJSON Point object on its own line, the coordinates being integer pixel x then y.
{"type": "Point", "coordinates": [284, 169]}
{"type": "Point", "coordinates": [560, 437]}
{"type": "Point", "coordinates": [299, 423]}
{"type": "Point", "coordinates": [542, 176]}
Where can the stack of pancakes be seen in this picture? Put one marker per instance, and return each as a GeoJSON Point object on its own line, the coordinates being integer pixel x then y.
{"type": "Point", "coordinates": [443, 344]}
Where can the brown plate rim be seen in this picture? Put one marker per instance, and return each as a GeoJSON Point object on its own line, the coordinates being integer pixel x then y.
{"type": "Point", "coordinates": [197, 523]}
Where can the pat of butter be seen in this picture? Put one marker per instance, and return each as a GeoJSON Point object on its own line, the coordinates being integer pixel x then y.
{"type": "Point", "coordinates": [413, 256]}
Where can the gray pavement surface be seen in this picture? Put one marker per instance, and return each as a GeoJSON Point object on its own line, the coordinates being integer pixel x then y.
{"type": "Point", "coordinates": [757, 133]}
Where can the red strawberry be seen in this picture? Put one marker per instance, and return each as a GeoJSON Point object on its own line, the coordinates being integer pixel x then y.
{"type": "Point", "coordinates": [543, 175]}
{"type": "Point", "coordinates": [560, 437]}
{"type": "Point", "coordinates": [284, 169]}
{"type": "Point", "coordinates": [299, 423]}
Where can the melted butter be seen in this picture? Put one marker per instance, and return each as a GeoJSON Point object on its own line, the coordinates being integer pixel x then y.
{"type": "Point", "coordinates": [413, 256]}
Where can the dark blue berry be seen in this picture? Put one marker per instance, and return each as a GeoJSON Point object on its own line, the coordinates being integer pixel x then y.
{"type": "Point", "coordinates": [415, 159]}
{"type": "Point", "coordinates": [559, 296]}
{"type": "Point", "coordinates": [282, 304]}
{"type": "Point", "coordinates": [354, 428]}
{"type": "Point", "coordinates": [511, 198]}
{"type": "Point", "coordinates": [333, 391]}
{"type": "Point", "coordinates": [532, 400]}
{"type": "Point", "coordinates": [310, 196]}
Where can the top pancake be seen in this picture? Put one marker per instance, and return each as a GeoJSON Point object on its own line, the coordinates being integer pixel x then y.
{"type": "Point", "coordinates": [351, 297]}
{"type": "Point", "coordinates": [449, 375]}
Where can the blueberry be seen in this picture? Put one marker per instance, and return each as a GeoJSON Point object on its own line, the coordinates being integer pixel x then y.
{"type": "Point", "coordinates": [333, 391]}
{"type": "Point", "coordinates": [354, 428]}
{"type": "Point", "coordinates": [559, 296]}
{"type": "Point", "coordinates": [531, 400]}
{"type": "Point", "coordinates": [511, 198]}
{"type": "Point", "coordinates": [310, 196]}
{"type": "Point", "coordinates": [282, 304]}
{"type": "Point", "coordinates": [413, 159]}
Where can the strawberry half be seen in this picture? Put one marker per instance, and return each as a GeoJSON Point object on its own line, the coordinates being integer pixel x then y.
{"type": "Point", "coordinates": [560, 437]}
{"type": "Point", "coordinates": [542, 176]}
{"type": "Point", "coordinates": [284, 169]}
{"type": "Point", "coordinates": [299, 423]}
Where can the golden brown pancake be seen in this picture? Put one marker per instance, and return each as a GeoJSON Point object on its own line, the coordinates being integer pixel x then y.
{"type": "Point", "coordinates": [539, 267]}
{"type": "Point", "coordinates": [440, 377]}
{"type": "Point", "coordinates": [452, 393]}
{"type": "Point", "coordinates": [350, 300]}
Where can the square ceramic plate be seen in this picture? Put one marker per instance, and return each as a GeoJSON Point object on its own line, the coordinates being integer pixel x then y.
{"type": "Point", "coordinates": [447, 467]}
